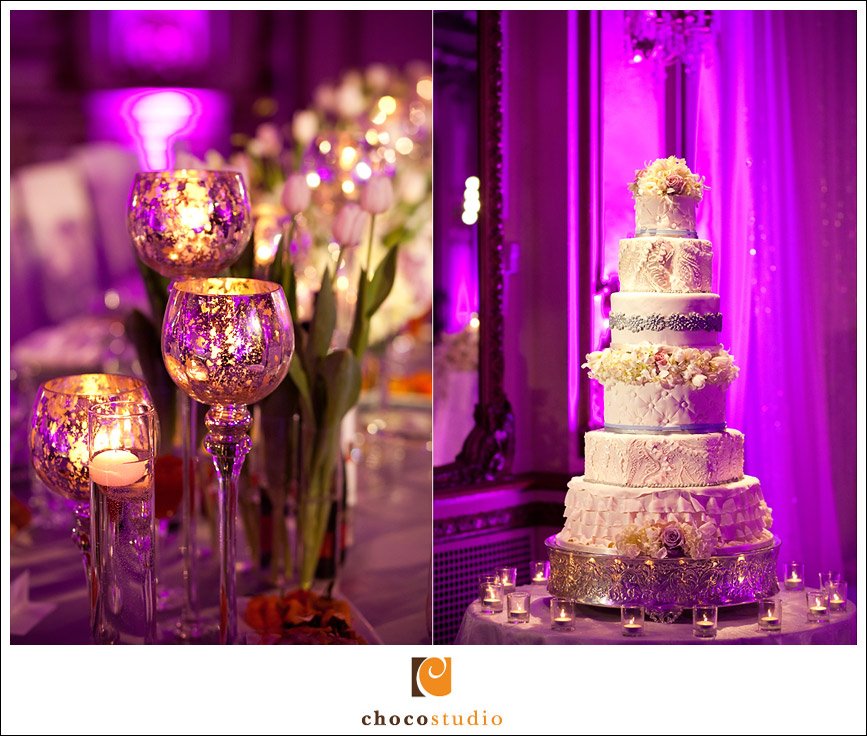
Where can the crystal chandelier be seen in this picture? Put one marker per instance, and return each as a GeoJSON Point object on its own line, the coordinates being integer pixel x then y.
{"type": "Point", "coordinates": [667, 36]}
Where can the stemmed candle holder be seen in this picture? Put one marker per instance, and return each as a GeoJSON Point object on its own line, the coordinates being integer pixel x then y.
{"type": "Point", "coordinates": [58, 444]}
{"type": "Point", "coordinates": [227, 343]}
{"type": "Point", "coordinates": [189, 223]}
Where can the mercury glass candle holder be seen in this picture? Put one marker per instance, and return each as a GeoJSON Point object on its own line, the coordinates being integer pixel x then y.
{"type": "Point", "coordinates": [562, 614]}
{"type": "Point", "coordinates": [508, 577]}
{"type": "Point", "coordinates": [491, 594]}
{"type": "Point", "coordinates": [704, 622]}
{"type": "Point", "coordinates": [122, 442]}
{"type": "Point", "coordinates": [58, 441]}
{"type": "Point", "coordinates": [837, 597]}
{"type": "Point", "coordinates": [539, 572]}
{"type": "Point", "coordinates": [518, 608]}
{"type": "Point", "coordinates": [794, 579]}
{"type": "Point", "coordinates": [187, 223]}
{"type": "Point", "coordinates": [770, 614]}
{"type": "Point", "coordinates": [632, 620]}
{"type": "Point", "coordinates": [227, 343]}
{"type": "Point", "coordinates": [818, 606]}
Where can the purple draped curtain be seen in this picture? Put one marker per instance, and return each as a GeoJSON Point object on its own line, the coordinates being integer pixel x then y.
{"type": "Point", "coordinates": [775, 137]}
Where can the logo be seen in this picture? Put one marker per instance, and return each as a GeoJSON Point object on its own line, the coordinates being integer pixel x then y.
{"type": "Point", "coordinates": [431, 676]}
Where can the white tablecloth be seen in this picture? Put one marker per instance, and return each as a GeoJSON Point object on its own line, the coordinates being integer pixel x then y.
{"type": "Point", "coordinates": [594, 625]}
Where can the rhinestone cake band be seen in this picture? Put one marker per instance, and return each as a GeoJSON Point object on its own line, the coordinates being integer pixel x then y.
{"type": "Point", "coordinates": [679, 428]}
{"type": "Point", "coordinates": [691, 322]}
{"type": "Point", "coordinates": [646, 232]}
{"type": "Point", "coordinates": [664, 586]}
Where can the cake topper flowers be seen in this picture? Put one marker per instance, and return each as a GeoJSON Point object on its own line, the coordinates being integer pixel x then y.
{"type": "Point", "coordinates": [667, 177]}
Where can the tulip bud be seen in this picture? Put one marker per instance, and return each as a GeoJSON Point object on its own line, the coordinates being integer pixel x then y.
{"type": "Point", "coordinates": [378, 195]}
{"type": "Point", "coordinates": [296, 194]}
{"type": "Point", "coordinates": [270, 140]}
{"type": "Point", "coordinates": [349, 225]}
{"type": "Point", "coordinates": [305, 126]}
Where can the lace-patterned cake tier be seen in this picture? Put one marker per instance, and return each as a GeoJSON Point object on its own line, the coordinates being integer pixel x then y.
{"type": "Point", "coordinates": [665, 265]}
{"type": "Point", "coordinates": [659, 460]}
{"type": "Point", "coordinates": [665, 587]}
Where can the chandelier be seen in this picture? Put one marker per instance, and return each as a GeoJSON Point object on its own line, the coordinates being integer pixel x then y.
{"type": "Point", "coordinates": [667, 36]}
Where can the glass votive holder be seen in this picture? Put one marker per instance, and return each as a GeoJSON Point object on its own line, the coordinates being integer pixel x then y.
{"type": "Point", "coordinates": [491, 594]}
{"type": "Point", "coordinates": [518, 608]}
{"type": "Point", "coordinates": [632, 620]}
{"type": "Point", "coordinates": [770, 614]}
{"type": "Point", "coordinates": [794, 579]}
{"type": "Point", "coordinates": [539, 572]}
{"type": "Point", "coordinates": [562, 614]}
{"type": "Point", "coordinates": [829, 578]}
{"type": "Point", "coordinates": [837, 597]}
{"type": "Point", "coordinates": [818, 609]}
{"type": "Point", "coordinates": [508, 578]}
{"type": "Point", "coordinates": [704, 620]}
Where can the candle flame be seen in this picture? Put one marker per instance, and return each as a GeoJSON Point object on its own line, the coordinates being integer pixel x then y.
{"type": "Point", "coordinates": [562, 613]}
{"type": "Point", "coordinates": [632, 620]}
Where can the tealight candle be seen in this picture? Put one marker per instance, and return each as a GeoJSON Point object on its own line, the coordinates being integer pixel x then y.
{"type": "Point", "coordinates": [794, 579]}
{"type": "Point", "coordinates": [818, 608]}
{"type": "Point", "coordinates": [704, 620]}
{"type": "Point", "coordinates": [491, 595]}
{"type": "Point", "coordinates": [518, 608]}
{"type": "Point", "coordinates": [508, 578]}
{"type": "Point", "coordinates": [116, 468]}
{"type": "Point", "coordinates": [632, 620]}
{"type": "Point", "coordinates": [539, 572]}
{"type": "Point", "coordinates": [837, 597]}
{"type": "Point", "coordinates": [562, 614]}
{"type": "Point", "coordinates": [770, 614]}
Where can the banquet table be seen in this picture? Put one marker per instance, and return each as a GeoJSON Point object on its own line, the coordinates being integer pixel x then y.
{"type": "Point", "coordinates": [596, 625]}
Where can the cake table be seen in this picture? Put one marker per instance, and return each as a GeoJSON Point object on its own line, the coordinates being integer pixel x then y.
{"type": "Point", "coordinates": [594, 625]}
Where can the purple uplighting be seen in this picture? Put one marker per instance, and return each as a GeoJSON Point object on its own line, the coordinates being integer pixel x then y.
{"type": "Point", "coordinates": [153, 120]}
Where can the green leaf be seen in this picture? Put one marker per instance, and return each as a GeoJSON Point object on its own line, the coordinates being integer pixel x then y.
{"type": "Point", "coordinates": [324, 319]}
{"type": "Point", "coordinates": [243, 267]}
{"type": "Point", "coordinates": [298, 376]}
{"type": "Point", "coordinates": [382, 282]}
{"type": "Point", "coordinates": [289, 284]}
{"type": "Point", "coordinates": [358, 336]}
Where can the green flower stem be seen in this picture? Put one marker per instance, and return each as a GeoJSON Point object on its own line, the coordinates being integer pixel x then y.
{"type": "Point", "coordinates": [289, 236]}
{"type": "Point", "coordinates": [370, 244]}
{"type": "Point", "coordinates": [337, 267]}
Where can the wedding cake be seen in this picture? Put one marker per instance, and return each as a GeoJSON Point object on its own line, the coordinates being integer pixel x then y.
{"type": "Point", "coordinates": [664, 480]}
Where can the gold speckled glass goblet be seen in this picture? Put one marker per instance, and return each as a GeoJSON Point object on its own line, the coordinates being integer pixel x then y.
{"type": "Point", "coordinates": [189, 222]}
{"type": "Point", "coordinates": [58, 441]}
{"type": "Point", "coordinates": [185, 223]}
{"type": "Point", "coordinates": [227, 342]}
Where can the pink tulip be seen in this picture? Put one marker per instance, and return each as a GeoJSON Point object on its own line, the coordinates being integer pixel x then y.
{"type": "Point", "coordinates": [296, 194]}
{"type": "Point", "coordinates": [378, 195]}
{"type": "Point", "coordinates": [348, 225]}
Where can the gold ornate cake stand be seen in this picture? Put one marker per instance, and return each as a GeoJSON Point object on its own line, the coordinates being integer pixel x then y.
{"type": "Point", "coordinates": [664, 587]}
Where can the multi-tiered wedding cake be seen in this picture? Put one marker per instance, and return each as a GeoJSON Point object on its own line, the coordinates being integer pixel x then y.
{"type": "Point", "coordinates": [664, 479]}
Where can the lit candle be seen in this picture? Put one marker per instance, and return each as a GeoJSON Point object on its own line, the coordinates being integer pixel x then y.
{"type": "Point", "coordinates": [818, 610]}
{"type": "Point", "coordinates": [631, 627]}
{"type": "Point", "coordinates": [539, 578]}
{"type": "Point", "coordinates": [837, 602]}
{"type": "Point", "coordinates": [116, 468]}
{"type": "Point", "coordinates": [793, 582]}
{"type": "Point", "coordinates": [704, 623]}
{"type": "Point", "coordinates": [491, 596]}
{"type": "Point", "coordinates": [770, 619]}
{"type": "Point", "coordinates": [563, 618]}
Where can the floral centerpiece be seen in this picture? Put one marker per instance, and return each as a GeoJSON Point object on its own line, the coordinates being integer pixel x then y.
{"type": "Point", "coordinates": [342, 201]}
